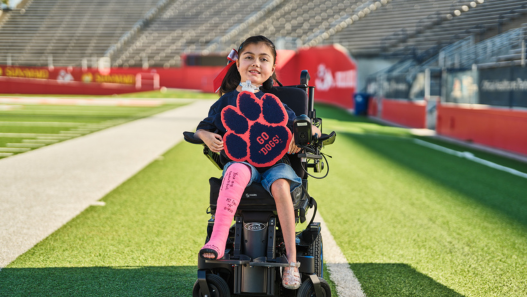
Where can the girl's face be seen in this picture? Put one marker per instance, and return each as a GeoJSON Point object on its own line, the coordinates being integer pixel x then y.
{"type": "Point", "coordinates": [256, 63]}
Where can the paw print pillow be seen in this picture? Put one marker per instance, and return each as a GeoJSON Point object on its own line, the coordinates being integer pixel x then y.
{"type": "Point", "coordinates": [256, 130]}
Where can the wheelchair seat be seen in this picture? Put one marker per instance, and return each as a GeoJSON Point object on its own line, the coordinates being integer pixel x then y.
{"type": "Point", "coordinates": [255, 197]}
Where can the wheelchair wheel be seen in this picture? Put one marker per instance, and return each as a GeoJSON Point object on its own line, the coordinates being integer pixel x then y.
{"type": "Point", "coordinates": [217, 287]}
{"type": "Point", "coordinates": [308, 290]}
{"type": "Point", "coordinates": [316, 251]}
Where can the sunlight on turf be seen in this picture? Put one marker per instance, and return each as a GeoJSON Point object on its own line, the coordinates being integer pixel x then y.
{"type": "Point", "coordinates": [449, 224]}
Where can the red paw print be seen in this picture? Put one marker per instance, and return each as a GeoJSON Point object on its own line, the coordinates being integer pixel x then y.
{"type": "Point", "coordinates": [256, 130]}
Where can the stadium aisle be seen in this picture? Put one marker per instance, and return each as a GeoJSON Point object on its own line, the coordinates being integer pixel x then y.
{"type": "Point", "coordinates": [45, 188]}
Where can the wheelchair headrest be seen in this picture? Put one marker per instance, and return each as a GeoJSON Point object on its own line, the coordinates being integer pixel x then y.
{"type": "Point", "coordinates": [294, 97]}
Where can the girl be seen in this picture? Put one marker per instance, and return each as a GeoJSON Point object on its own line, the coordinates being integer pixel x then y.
{"type": "Point", "coordinates": [256, 64]}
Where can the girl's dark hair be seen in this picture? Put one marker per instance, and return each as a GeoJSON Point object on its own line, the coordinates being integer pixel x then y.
{"type": "Point", "coordinates": [232, 78]}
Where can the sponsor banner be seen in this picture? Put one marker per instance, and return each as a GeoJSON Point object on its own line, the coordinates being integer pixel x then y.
{"type": "Point", "coordinates": [69, 74]}
{"type": "Point", "coordinates": [495, 86]}
{"type": "Point", "coordinates": [396, 86]}
{"type": "Point", "coordinates": [505, 86]}
{"type": "Point", "coordinates": [333, 73]}
{"type": "Point", "coordinates": [461, 87]}
{"type": "Point", "coordinates": [519, 93]}
{"type": "Point", "coordinates": [197, 78]}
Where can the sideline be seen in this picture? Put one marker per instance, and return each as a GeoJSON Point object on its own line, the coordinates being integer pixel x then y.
{"type": "Point", "coordinates": [338, 266]}
{"type": "Point", "coordinates": [471, 157]}
{"type": "Point", "coordinates": [45, 188]}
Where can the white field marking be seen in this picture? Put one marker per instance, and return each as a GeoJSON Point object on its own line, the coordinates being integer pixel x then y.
{"type": "Point", "coordinates": [471, 157]}
{"type": "Point", "coordinates": [5, 154]}
{"type": "Point", "coordinates": [58, 137]}
{"type": "Point", "coordinates": [45, 124]}
{"type": "Point", "coordinates": [341, 274]}
{"type": "Point", "coordinates": [90, 102]}
{"type": "Point", "coordinates": [13, 150]}
{"type": "Point", "coordinates": [98, 203]}
{"type": "Point", "coordinates": [28, 135]}
{"type": "Point", "coordinates": [26, 145]}
{"type": "Point", "coordinates": [10, 107]}
{"type": "Point", "coordinates": [44, 141]}
{"type": "Point", "coordinates": [71, 133]}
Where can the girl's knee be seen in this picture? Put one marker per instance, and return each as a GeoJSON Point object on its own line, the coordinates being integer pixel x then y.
{"type": "Point", "coordinates": [237, 173]}
{"type": "Point", "coordinates": [280, 186]}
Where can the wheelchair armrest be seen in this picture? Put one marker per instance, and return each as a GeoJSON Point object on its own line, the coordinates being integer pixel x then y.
{"type": "Point", "coordinates": [189, 137]}
{"type": "Point", "coordinates": [328, 139]}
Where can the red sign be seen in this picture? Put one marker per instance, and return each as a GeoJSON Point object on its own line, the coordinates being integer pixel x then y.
{"type": "Point", "coordinates": [333, 73]}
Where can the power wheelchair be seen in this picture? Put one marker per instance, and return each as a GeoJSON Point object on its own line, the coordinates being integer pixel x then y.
{"type": "Point", "coordinates": [255, 251]}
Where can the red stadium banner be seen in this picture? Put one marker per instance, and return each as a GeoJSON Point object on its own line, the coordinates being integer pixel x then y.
{"type": "Point", "coordinates": [333, 72]}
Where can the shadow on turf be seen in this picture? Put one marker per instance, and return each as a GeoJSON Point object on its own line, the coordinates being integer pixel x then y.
{"type": "Point", "coordinates": [98, 281]}
{"type": "Point", "coordinates": [396, 279]}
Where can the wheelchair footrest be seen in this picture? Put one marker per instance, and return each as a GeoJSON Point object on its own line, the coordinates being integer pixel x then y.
{"type": "Point", "coordinates": [264, 262]}
{"type": "Point", "coordinates": [243, 259]}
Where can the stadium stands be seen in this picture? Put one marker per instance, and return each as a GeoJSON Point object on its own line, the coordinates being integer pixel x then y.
{"type": "Point", "coordinates": [474, 21]}
{"type": "Point", "coordinates": [66, 30]}
{"type": "Point", "coordinates": [184, 26]}
{"type": "Point", "coordinates": [155, 33]}
{"type": "Point", "coordinates": [397, 20]}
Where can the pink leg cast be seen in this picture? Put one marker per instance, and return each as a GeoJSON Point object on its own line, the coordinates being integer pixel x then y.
{"type": "Point", "coordinates": [234, 182]}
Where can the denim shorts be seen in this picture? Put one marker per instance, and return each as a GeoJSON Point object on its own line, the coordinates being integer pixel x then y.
{"type": "Point", "coordinates": [280, 170]}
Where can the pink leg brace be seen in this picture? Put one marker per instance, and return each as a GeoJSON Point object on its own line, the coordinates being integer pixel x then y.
{"type": "Point", "coordinates": [234, 182]}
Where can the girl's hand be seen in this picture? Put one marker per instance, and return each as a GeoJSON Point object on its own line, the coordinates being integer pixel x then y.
{"type": "Point", "coordinates": [212, 140]}
{"type": "Point", "coordinates": [293, 149]}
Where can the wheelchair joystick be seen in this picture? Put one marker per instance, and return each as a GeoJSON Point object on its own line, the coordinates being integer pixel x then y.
{"type": "Point", "coordinates": [302, 130]}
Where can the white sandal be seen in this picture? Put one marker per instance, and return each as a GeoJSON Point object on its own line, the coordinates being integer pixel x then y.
{"type": "Point", "coordinates": [291, 277]}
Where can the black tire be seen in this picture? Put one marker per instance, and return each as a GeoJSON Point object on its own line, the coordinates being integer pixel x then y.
{"type": "Point", "coordinates": [217, 287]}
{"type": "Point", "coordinates": [308, 290]}
{"type": "Point", "coordinates": [316, 251]}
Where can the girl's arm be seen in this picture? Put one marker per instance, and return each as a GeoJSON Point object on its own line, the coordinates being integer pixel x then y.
{"type": "Point", "coordinates": [212, 140]}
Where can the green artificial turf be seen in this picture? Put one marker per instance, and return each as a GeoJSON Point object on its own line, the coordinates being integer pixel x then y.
{"type": "Point", "coordinates": [31, 121]}
{"type": "Point", "coordinates": [171, 93]}
{"type": "Point", "coordinates": [143, 242]}
{"type": "Point", "coordinates": [413, 221]}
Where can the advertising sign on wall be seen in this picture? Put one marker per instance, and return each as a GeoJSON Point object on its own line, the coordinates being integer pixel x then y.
{"type": "Point", "coordinates": [505, 86]}
{"type": "Point", "coordinates": [461, 87]}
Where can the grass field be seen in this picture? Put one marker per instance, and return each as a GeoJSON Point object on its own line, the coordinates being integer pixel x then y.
{"type": "Point", "coordinates": [410, 220]}
{"type": "Point", "coordinates": [28, 126]}
{"type": "Point", "coordinates": [166, 93]}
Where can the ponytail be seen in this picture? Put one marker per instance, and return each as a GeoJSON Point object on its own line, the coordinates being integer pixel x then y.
{"type": "Point", "coordinates": [230, 81]}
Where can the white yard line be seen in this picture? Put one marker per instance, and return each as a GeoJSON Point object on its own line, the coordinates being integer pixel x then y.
{"type": "Point", "coordinates": [471, 157]}
{"type": "Point", "coordinates": [43, 189]}
{"type": "Point", "coordinates": [84, 102]}
{"type": "Point", "coordinates": [40, 124]}
{"type": "Point", "coordinates": [341, 274]}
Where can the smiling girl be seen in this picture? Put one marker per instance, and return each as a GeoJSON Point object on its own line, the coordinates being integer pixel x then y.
{"type": "Point", "coordinates": [254, 67]}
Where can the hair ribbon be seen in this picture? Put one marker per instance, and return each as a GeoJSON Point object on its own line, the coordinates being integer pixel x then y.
{"type": "Point", "coordinates": [232, 57]}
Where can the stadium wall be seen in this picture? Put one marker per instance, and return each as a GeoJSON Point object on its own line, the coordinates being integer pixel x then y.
{"type": "Point", "coordinates": [405, 112]}
{"type": "Point", "coordinates": [333, 73]}
{"type": "Point", "coordinates": [498, 128]}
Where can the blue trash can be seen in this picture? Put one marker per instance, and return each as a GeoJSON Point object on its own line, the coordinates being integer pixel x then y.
{"type": "Point", "coordinates": [361, 103]}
